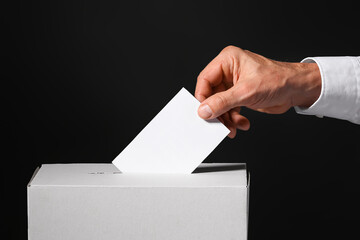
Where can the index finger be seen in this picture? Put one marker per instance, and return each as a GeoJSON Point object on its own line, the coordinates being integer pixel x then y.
{"type": "Point", "coordinates": [209, 78]}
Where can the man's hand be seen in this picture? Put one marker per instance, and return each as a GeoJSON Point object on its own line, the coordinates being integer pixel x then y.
{"type": "Point", "coordinates": [238, 77]}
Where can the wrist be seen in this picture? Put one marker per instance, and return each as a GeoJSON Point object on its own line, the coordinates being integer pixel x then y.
{"type": "Point", "coordinates": [305, 82]}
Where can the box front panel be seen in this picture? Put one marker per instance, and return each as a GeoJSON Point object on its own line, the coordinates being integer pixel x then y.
{"type": "Point", "coordinates": [93, 213]}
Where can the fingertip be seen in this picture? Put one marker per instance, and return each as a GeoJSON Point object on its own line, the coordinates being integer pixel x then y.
{"type": "Point", "coordinates": [204, 111]}
{"type": "Point", "coordinates": [240, 121]}
{"type": "Point", "coordinates": [232, 134]}
{"type": "Point", "coordinates": [200, 97]}
{"type": "Point", "coordinates": [229, 124]}
{"type": "Point", "coordinates": [244, 124]}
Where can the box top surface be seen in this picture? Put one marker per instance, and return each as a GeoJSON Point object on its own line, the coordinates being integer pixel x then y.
{"type": "Point", "coordinates": [94, 175]}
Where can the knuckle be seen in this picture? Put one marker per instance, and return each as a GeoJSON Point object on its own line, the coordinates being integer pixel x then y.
{"type": "Point", "coordinates": [230, 48]}
{"type": "Point", "coordinates": [204, 77]}
{"type": "Point", "coordinates": [221, 101]}
{"type": "Point", "coordinates": [232, 51]}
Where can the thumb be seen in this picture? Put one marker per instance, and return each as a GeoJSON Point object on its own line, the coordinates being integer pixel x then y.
{"type": "Point", "coordinates": [218, 104]}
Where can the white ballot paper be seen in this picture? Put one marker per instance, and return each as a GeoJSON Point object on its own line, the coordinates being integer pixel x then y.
{"type": "Point", "coordinates": [176, 140]}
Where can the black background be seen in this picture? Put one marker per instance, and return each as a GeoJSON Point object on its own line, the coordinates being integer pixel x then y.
{"type": "Point", "coordinates": [81, 79]}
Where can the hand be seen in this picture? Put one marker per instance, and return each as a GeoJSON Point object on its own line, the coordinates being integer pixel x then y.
{"type": "Point", "coordinates": [238, 77]}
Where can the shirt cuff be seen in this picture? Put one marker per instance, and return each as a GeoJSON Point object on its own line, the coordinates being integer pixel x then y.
{"type": "Point", "coordinates": [340, 78]}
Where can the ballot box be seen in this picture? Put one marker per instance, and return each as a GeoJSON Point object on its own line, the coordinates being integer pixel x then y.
{"type": "Point", "coordinates": [97, 201]}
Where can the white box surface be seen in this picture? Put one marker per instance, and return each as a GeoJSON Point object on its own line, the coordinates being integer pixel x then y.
{"type": "Point", "coordinates": [97, 202]}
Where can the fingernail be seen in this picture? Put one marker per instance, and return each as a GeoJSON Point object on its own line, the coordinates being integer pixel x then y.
{"type": "Point", "coordinates": [205, 111]}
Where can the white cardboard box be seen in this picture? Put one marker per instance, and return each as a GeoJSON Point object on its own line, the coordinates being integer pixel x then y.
{"type": "Point", "coordinates": [97, 202]}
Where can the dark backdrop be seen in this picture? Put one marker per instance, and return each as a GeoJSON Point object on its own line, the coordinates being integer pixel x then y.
{"type": "Point", "coordinates": [81, 79]}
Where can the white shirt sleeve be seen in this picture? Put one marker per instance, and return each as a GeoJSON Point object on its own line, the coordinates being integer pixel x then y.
{"type": "Point", "coordinates": [340, 90]}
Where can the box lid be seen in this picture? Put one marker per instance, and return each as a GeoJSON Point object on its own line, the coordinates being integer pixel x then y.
{"type": "Point", "coordinates": [72, 175]}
